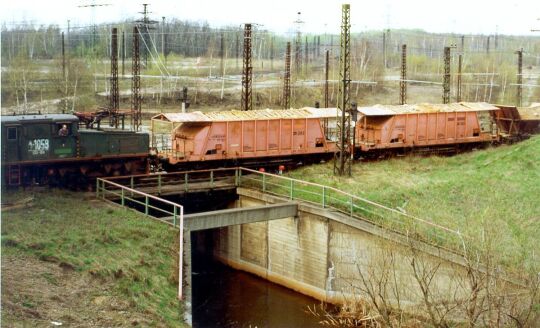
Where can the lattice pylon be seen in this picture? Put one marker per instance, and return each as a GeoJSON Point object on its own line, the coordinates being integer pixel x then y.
{"type": "Point", "coordinates": [247, 72]}
{"type": "Point", "coordinates": [343, 156]}
{"type": "Point", "coordinates": [287, 78]}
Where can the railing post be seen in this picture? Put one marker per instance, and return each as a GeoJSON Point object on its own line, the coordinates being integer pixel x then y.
{"type": "Point", "coordinates": [264, 182]}
{"type": "Point", "coordinates": [131, 185]}
{"type": "Point", "coordinates": [181, 255]}
{"type": "Point", "coordinates": [146, 205]}
{"type": "Point", "coordinates": [97, 188]}
{"type": "Point", "coordinates": [159, 183]}
{"type": "Point", "coordinates": [185, 182]}
{"type": "Point", "coordinates": [323, 196]}
{"type": "Point", "coordinates": [239, 176]}
{"type": "Point", "coordinates": [211, 178]}
{"type": "Point", "coordinates": [123, 203]}
{"type": "Point", "coordinates": [292, 189]}
{"type": "Point", "coordinates": [236, 177]}
{"type": "Point", "coordinates": [174, 216]}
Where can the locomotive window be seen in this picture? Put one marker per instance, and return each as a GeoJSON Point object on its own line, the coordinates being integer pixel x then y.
{"type": "Point", "coordinates": [63, 129]}
{"type": "Point", "coordinates": [12, 133]}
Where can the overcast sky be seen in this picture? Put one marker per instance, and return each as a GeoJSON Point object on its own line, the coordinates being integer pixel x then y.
{"type": "Point", "coordinates": [319, 16]}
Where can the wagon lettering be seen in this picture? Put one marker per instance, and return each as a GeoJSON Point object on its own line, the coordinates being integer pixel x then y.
{"type": "Point", "coordinates": [38, 146]}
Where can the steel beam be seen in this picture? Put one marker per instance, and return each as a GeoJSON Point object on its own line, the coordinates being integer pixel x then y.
{"type": "Point", "coordinates": [236, 216]}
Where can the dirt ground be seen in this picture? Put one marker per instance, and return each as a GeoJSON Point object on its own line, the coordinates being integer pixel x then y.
{"type": "Point", "coordinates": [37, 293]}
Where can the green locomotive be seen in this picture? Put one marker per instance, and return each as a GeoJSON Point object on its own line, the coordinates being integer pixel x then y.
{"type": "Point", "coordinates": [51, 149]}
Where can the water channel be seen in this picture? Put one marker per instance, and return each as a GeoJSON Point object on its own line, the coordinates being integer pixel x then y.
{"type": "Point", "coordinates": [224, 297]}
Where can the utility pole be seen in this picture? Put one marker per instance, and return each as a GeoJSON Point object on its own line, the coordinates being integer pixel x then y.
{"type": "Point", "coordinates": [222, 54]}
{"type": "Point", "coordinates": [272, 53]}
{"type": "Point", "coordinates": [237, 53]}
{"type": "Point", "coordinates": [114, 92]}
{"type": "Point", "coordinates": [519, 77]}
{"type": "Point", "coordinates": [135, 82]}
{"type": "Point", "coordinates": [326, 98]}
{"type": "Point", "coordinates": [496, 36]}
{"type": "Point", "coordinates": [63, 57]}
{"type": "Point", "coordinates": [64, 76]}
{"type": "Point", "coordinates": [446, 76]}
{"type": "Point", "coordinates": [287, 79]}
{"type": "Point", "coordinates": [402, 82]}
{"type": "Point", "coordinates": [123, 52]}
{"type": "Point", "coordinates": [462, 43]}
{"type": "Point", "coordinates": [306, 55]}
{"type": "Point", "coordinates": [68, 38]}
{"type": "Point", "coordinates": [384, 47]}
{"type": "Point", "coordinates": [247, 70]}
{"type": "Point", "coordinates": [163, 36]}
{"type": "Point", "coordinates": [326, 76]}
{"type": "Point", "coordinates": [298, 46]}
{"type": "Point", "coordinates": [343, 155]}
{"type": "Point", "coordinates": [460, 63]}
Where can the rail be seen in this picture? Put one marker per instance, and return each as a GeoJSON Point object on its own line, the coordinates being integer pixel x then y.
{"type": "Point", "coordinates": [353, 206]}
{"type": "Point", "coordinates": [129, 196]}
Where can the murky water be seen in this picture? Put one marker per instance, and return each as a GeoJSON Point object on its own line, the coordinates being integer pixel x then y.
{"type": "Point", "coordinates": [224, 297]}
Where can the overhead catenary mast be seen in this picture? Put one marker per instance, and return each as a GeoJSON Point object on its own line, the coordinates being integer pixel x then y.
{"type": "Point", "coordinates": [145, 26]}
{"type": "Point", "coordinates": [287, 78]}
{"type": "Point", "coordinates": [343, 155]}
{"type": "Point", "coordinates": [247, 71]}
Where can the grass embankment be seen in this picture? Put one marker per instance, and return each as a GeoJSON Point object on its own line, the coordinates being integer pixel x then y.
{"type": "Point", "coordinates": [84, 262]}
{"type": "Point", "coordinates": [492, 192]}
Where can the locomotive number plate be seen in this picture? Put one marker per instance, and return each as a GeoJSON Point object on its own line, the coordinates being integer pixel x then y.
{"type": "Point", "coordinates": [38, 146]}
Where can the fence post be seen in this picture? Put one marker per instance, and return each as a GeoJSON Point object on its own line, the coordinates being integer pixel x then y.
{"type": "Point", "coordinates": [159, 183]}
{"type": "Point", "coordinates": [146, 205]}
{"type": "Point", "coordinates": [185, 182]}
{"type": "Point", "coordinates": [174, 216]}
{"type": "Point", "coordinates": [211, 178]}
{"type": "Point", "coordinates": [131, 185]}
{"type": "Point", "coordinates": [122, 196]}
{"type": "Point", "coordinates": [97, 188]}
{"type": "Point", "coordinates": [292, 189]}
{"type": "Point", "coordinates": [264, 182]}
{"type": "Point", "coordinates": [323, 196]}
{"type": "Point", "coordinates": [236, 177]}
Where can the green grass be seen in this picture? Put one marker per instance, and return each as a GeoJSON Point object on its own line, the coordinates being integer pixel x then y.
{"type": "Point", "coordinates": [493, 191]}
{"type": "Point", "coordinates": [112, 244]}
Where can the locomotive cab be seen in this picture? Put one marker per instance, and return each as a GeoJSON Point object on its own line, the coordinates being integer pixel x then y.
{"type": "Point", "coordinates": [37, 137]}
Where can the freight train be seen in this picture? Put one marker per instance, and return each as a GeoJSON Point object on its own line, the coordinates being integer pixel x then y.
{"type": "Point", "coordinates": [53, 149]}
{"type": "Point", "coordinates": [309, 134]}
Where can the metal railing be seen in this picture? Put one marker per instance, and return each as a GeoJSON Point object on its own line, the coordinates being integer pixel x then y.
{"type": "Point", "coordinates": [123, 190]}
{"type": "Point", "coordinates": [108, 190]}
{"type": "Point", "coordinates": [191, 180]}
{"type": "Point", "coordinates": [353, 206]}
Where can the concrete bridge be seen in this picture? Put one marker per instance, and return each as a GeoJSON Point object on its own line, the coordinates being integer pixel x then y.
{"type": "Point", "coordinates": [325, 245]}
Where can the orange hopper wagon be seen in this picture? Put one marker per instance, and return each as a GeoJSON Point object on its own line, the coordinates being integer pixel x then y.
{"type": "Point", "coordinates": [382, 128]}
{"type": "Point", "coordinates": [244, 135]}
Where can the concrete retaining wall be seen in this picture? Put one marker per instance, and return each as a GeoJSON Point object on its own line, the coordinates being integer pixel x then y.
{"type": "Point", "coordinates": [323, 255]}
